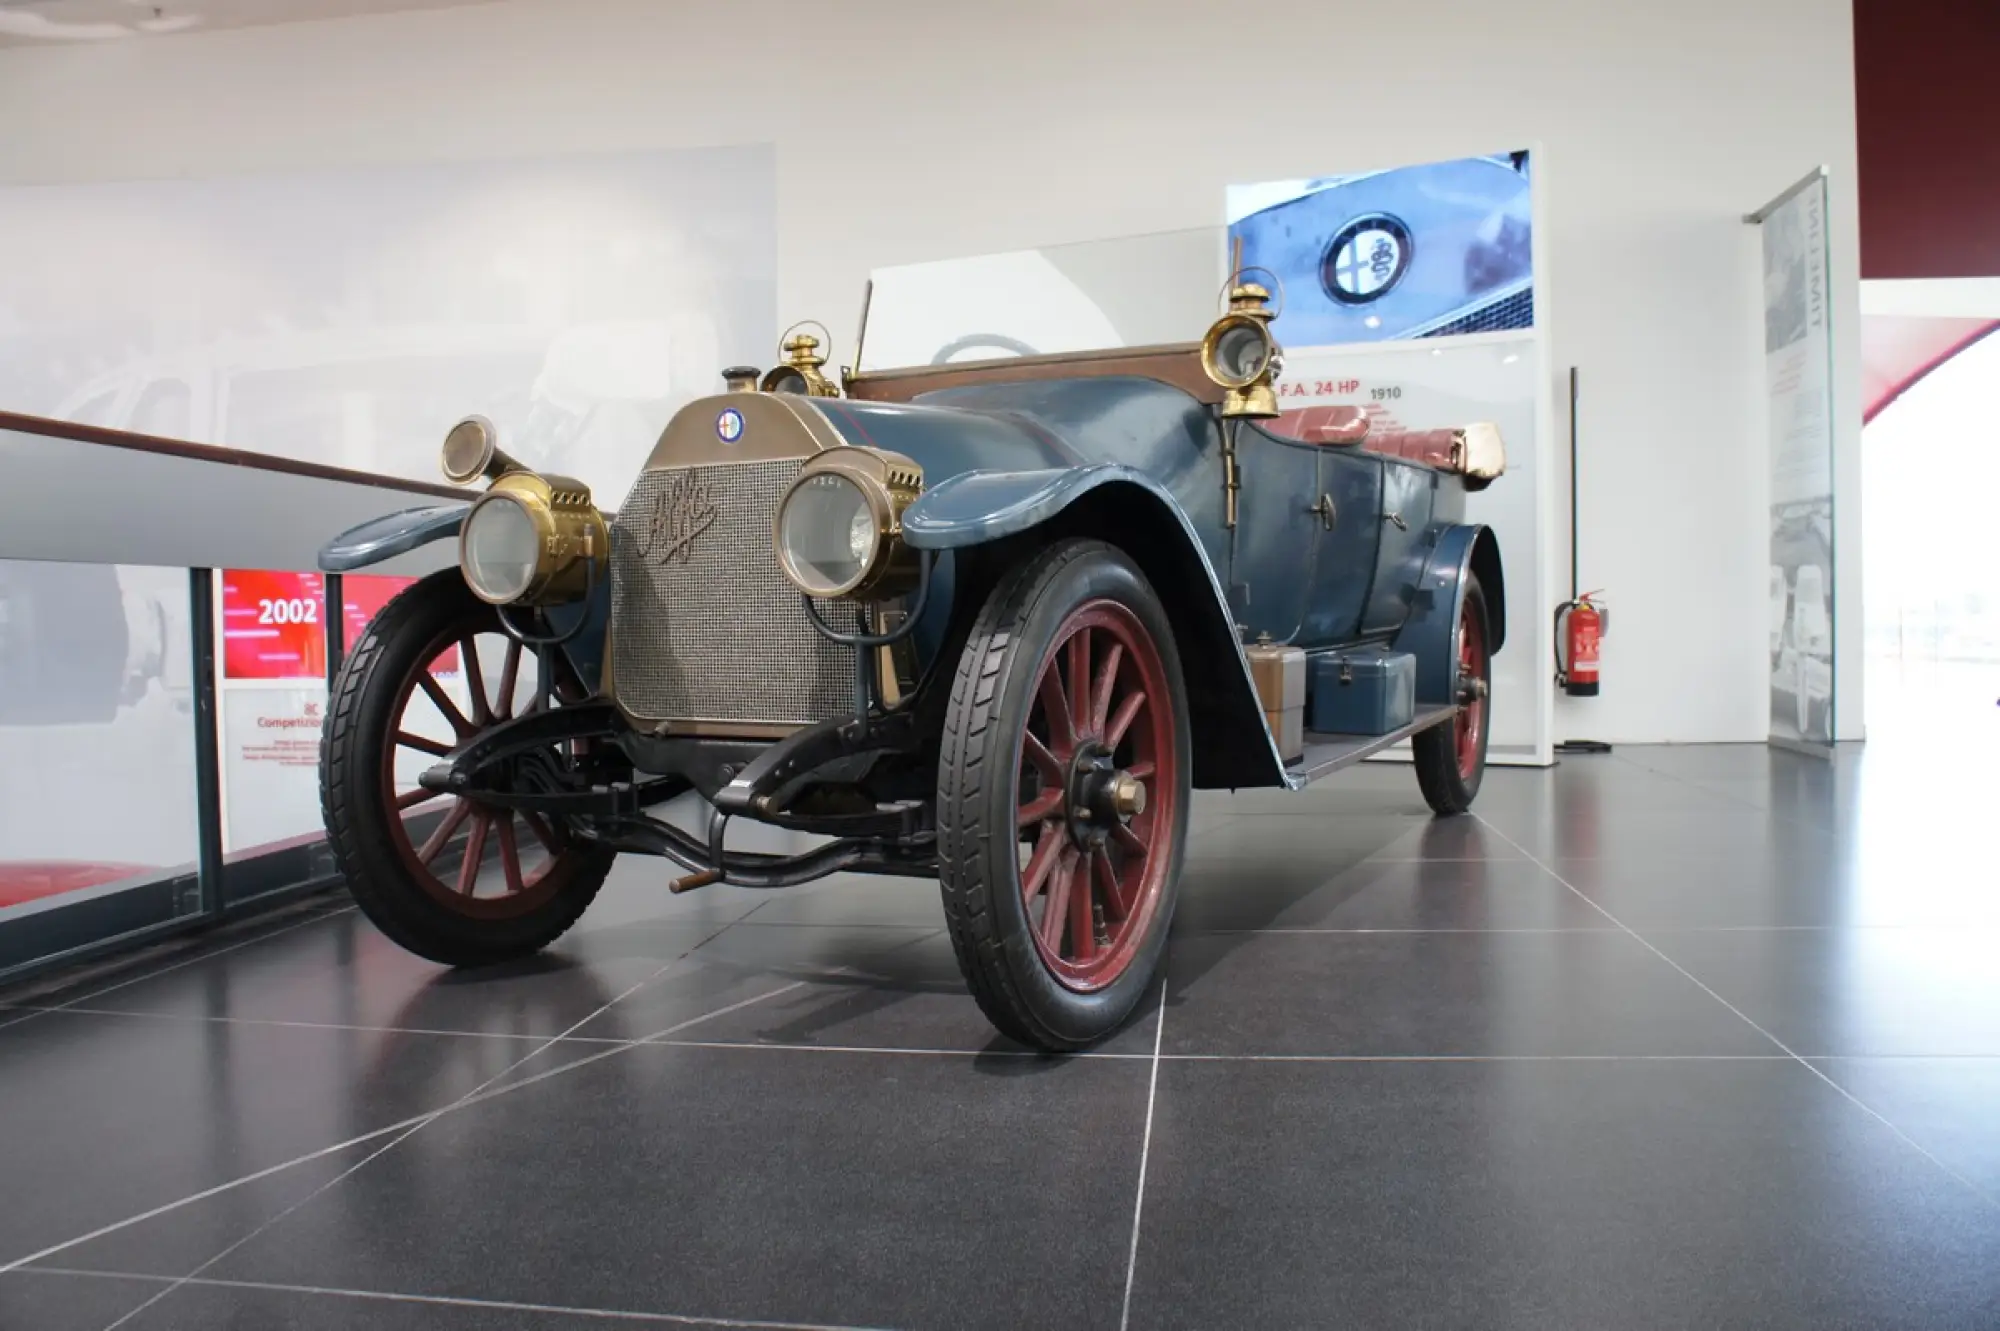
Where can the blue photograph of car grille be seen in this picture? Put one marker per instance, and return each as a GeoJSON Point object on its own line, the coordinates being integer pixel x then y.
{"type": "Point", "coordinates": [1419, 251]}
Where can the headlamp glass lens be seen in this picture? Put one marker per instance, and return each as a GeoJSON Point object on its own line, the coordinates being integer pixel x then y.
{"type": "Point", "coordinates": [500, 549]}
{"type": "Point", "coordinates": [827, 533]}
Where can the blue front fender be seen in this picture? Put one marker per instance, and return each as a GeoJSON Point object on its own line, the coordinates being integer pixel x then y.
{"type": "Point", "coordinates": [1233, 745]}
{"type": "Point", "coordinates": [979, 506]}
{"type": "Point", "coordinates": [390, 535]}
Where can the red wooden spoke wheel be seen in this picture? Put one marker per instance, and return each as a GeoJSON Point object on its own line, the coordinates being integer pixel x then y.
{"type": "Point", "coordinates": [1469, 730]}
{"type": "Point", "coordinates": [1063, 788]}
{"type": "Point", "coordinates": [1450, 758]}
{"type": "Point", "coordinates": [1097, 782]}
{"type": "Point", "coordinates": [450, 867]}
{"type": "Point", "coordinates": [478, 883]}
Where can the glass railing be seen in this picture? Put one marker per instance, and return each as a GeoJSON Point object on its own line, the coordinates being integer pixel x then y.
{"type": "Point", "coordinates": [160, 723]}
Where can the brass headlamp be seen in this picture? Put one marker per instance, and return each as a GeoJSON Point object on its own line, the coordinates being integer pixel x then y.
{"type": "Point", "coordinates": [800, 372]}
{"type": "Point", "coordinates": [530, 539]}
{"type": "Point", "coordinates": [1241, 356]}
{"type": "Point", "coordinates": [839, 531]}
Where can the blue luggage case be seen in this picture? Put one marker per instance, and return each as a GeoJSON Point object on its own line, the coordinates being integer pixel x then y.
{"type": "Point", "coordinates": [1365, 691]}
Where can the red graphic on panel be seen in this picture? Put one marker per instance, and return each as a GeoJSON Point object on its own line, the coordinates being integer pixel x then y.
{"type": "Point", "coordinates": [273, 625]}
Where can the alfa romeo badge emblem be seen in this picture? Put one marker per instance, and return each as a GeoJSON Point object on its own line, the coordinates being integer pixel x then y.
{"type": "Point", "coordinates": [729, 425]}
{"type": "Point", "coordinates": [1366, 258]}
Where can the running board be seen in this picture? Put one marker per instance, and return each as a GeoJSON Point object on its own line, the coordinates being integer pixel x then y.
{"type": "Point", "coordinates": [1327, 754]}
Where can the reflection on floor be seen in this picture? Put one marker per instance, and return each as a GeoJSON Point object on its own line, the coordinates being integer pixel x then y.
{"type": "Point", "coordinates": [1674, 1037]}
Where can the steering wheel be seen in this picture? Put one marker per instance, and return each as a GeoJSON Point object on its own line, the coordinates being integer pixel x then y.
{"type": "Point", "coordinates": [1008, 345]}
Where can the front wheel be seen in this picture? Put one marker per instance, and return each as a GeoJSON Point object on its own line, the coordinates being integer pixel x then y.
{"type": "Point", "coordinates": [1063, 796]}
{"type": "Point", "coordinates": [450, 879]}
{"type": "Point", "coordinates": [1451, 758]}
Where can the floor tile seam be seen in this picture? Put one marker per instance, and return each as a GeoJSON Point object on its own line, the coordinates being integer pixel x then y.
{"type": "Point", "coordinates": [200, 954]}
{"type": "Point", "coordinates": [484, 1090]}
{"type": "Point", "coordinates": [1099, 1056]}
{"type": "Point", "coordinates": [419, 1126]}
{"type": "Point", "coordinates": [943, 1052]}
{"type": "Point", "coordinates": [1976, 928]}
{"type": "Point", "coordinates": [567, 1037]}
{"type": "Point", "coordinates": [1478, 1058]}
{"type": "Point", "coordinates": [1767, 810]}
{"type": "Point", "coordinates": [1438, 859]}
{"type": "Point", "coordinates": [441, 1300]}
{"type": "Point", "coordinates": [376, 1134]}
{"type": "Point", "coordinates": [360, 1028]}
{"type": "Point", "coordinates": [74, 1007]}
{"type": "Point", "coordinates": [1911, 1058]}
{"type": "Point", "coordinates": [865, 925]}
{"type": "Point", "coordinates": [899, 1051]}
{"type": "Point", "coordinates": [1313, 930]}
{"type": "Point", "coordinates": [1145, 1157]}
{"type": "Point", "coordinates": [1846, 1094]}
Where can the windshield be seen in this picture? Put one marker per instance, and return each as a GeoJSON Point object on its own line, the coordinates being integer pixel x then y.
{"type": "Point", "coordinates": [1095, 295]}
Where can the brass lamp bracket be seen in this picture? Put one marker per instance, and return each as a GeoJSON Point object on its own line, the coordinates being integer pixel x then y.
{"type": "Point", "coordinates": [800, 372]}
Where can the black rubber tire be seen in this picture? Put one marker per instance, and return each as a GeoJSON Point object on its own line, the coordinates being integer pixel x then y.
{"type": "Point", "coordinates": [358, 726]}
{"type": "Point", "coordinates": [1435, 751]}
{"type": "Point", "coordinates": [978, 850]}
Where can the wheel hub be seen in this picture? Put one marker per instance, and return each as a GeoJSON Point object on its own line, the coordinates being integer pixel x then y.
{"type": "Point", "coordinates": [1099, 796]}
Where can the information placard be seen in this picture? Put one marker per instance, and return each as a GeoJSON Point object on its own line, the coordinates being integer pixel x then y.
{"type": "Point", "coordinates": [274, 696]}
{"type": "Point", "coordinates": [1798, 388]}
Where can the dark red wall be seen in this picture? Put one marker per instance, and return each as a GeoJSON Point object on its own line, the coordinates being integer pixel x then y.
{"type": "Point", "coordinates": [1927, 91]}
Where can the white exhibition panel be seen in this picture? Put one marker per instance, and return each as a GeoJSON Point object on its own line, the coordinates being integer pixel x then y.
{"type": "Point", "coordinates": [1799, 420]}
{"type": "Point", "coordinates": [67, 501]}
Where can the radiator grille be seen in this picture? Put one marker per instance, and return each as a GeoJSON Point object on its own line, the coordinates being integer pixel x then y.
{"type": "Point", "coordinates": [704, 626]}
{"type": "Point", "coordinates": [1503, 315]}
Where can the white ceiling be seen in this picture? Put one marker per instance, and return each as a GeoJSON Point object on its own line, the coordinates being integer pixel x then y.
{"type": "Point", "coordinates": [63, 22]}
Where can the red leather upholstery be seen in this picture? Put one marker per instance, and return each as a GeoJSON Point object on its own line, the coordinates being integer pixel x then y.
{"type": "Point", "coordinates": [1433, 448]}
{"type": "Point", "coordinates": [1472, 451]}
{"type": "Point", "coordinates": [1324, 425]}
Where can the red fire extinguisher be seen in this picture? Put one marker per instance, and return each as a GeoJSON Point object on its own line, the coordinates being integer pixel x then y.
{"type": "Point", "coordinates": [1579, 630]}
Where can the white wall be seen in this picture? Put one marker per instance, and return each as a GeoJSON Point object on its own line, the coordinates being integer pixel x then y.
{"type": "Point", "coordinates": [913, 129]}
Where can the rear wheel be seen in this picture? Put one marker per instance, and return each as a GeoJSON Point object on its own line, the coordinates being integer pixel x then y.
{"type": "Point", "coordinates": [1451, 758]}
{"type": "Point", "coordinates": [1063, 796]}
{"type": "Point", "coordinates": [452, 879]}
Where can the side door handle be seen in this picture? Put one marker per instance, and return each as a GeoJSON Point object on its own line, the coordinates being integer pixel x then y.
{"type": "Point", "coordinates": [1325, 510]}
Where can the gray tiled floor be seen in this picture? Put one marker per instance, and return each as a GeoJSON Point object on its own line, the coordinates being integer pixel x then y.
{"type": "Point", "coordinates": [1674, 1037]}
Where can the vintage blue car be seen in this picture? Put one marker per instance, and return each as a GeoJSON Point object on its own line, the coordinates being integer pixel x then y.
{"type": "Point", "coordinates": [988, 621]}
